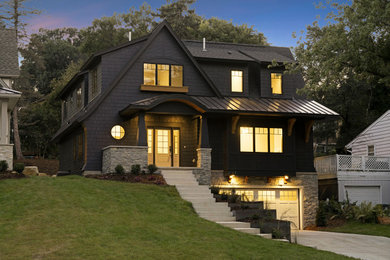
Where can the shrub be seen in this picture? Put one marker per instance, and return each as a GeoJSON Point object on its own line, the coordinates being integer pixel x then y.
{"type": "Point", "coordinates": [3, 166]}
{"type": "Point", "coordinates": [19, 167]}
{"type": "Point", "coordinates": [135, 169]}
{"type": "Point", "coordinates": [119, 169]}
{"type": "Point", "coordinates": [321, 218]}
{"type": "Point", "coordinates": [365, 213]}
{"type": "Point", "coordinates": [152, 168]}
{"type": "Point", "coordinates": [137, 179]}
{"type": "Point", "coordinates": [277, 233]}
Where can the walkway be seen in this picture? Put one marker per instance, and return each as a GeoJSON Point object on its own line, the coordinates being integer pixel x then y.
{"type": "Point", "coordinates": [358, 246]}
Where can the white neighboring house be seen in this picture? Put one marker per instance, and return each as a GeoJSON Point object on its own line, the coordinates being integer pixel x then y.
{"type": "Point", "coordinates": [9, 70]}
{"type": "Point", "coordinates": [365, 174]}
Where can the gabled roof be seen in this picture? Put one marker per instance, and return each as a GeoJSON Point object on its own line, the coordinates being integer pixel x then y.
{"type": "Point", "coordinates": [9, 66]}
{"type": "Point", "coordinates": [240, 105]}
{"type": "Point", "coordinates": [349, 145]}
{"type": "Point", "coordinates": [239, 52]}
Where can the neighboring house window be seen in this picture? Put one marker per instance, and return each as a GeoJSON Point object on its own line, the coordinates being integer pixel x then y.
{"type": "Point", "coordinates": [94, 83]}
{"type": "Point", "coordinates": [237, 80]}
{"type": "Point", "coordinates": [78, 98]}
{"type": "Point", "coordinates": [177, 76]}
{"type": "Point", "coordinates": [276, 83]}
{"type": "Point", "coordinates": [163, 75]}
{"type": "Point", "coordinates": [370, 150]}
{"type": "Point", "coordinates": [263, 141]}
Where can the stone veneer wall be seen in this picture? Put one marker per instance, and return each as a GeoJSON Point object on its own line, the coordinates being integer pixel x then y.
{"type": "Point", "coordinates": [6, 154]}
{"type": "Point", "coordinates": [125, 156]}
{"type": "Point", "coordinates": [307, 180]}
{"type": "Point", "coordinates": [203, 171]}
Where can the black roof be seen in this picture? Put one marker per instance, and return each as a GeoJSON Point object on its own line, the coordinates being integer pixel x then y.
{"type": "Point", "coordinates": [9, 66]}
{"type": "Point", "coordinates": [297, 107]}
{"type": "Point", "coordinates": [239, 52]}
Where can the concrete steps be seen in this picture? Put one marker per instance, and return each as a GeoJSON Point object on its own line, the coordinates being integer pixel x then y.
{"type": "Point", "coordinates": [203, 201]}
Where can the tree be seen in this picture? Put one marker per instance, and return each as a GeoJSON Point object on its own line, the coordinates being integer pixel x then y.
{"type": "Point", "coordinates": [14, 11]}
{"type": "Point", "coordinates": [346, 64]}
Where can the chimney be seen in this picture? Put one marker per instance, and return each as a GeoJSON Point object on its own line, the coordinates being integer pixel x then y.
{"type": "Point", "coordinates": [204, 44]}
{"type": "Point", "coordinates": [130, 36]}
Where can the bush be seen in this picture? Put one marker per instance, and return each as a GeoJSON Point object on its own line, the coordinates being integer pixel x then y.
{"type": "Point", "coordinates": [322, 216]}
{"type": "Point", "coordinates": [152, 168]}
{"type": "Point", "coordinates": [3, 166]}
{"type": "Point", "coordinates": [277, 233]}
{"type": "Point", "coordinates": [119, 170]}
{"type": "Point", "coordinates": [19, 167]}
{"type": "Point", "coordinates": [135, 169]}
{"type": "Point", "coordinates": [365, 213]}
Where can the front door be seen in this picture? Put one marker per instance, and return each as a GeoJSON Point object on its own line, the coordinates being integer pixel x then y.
{"type": "Point", "coordinates": [164, 147]}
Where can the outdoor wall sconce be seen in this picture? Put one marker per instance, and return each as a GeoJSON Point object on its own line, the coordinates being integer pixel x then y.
{"type": "Point", "coordinates": [232, 179]}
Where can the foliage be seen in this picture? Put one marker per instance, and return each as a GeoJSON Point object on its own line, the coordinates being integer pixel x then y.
{"type": "Point", "coordinates": [321, 217]}
{"type": "Point", "coordinates": [135, 169]}
{"type": "Point", "coordinates": [3, 166]}
{"type": "Point", "coordinates": [152, 168]}
{"type": "Point", "coordinates": [19, 167]}
{"type": "Point", "coordinates": [345, 65]}
{"type": "Point", "coordinates": [119, 169]}
{"type": "Point", "coordinates": [277, 233]}
{"type": "Point", "coordinates": [365, 213]}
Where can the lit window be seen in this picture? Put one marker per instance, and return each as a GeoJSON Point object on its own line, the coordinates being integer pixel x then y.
{"type": "Point", "coordinates": [150, 140]}
{"type": "Point", "coordinates": [78, 98]}
{"type": "Point", "coordinates": [176, 141]}
{"type": "Point", "coordinates": [246, 139]}
{"type": "Point", "coordinates": [237, 81]}
{"type": "Point", "coordinates": [266, 195]}
{"type": "Point", "coordinates": [276, 140]}
{"type": "Point", "coordinates": [176, 76]}
{"type": "Point", "coordinates": [117, 132]}
{"type": "Point", "coordinates": [289, 195]}
{"type": "Point", "coordinates": [246, 195]}
{"type": "Point", "coordinates": [149, 74]}
{"type": "Point", "coordinates": [162, 141]}
{"type": "Point", "coordinates": [261, 139]}
{"type": "Point", "coordinates": [276, 83]}
{"type": "Point", "coordinates": [370, 150]}
{"type": "Point", "coordinates": [162, 75]}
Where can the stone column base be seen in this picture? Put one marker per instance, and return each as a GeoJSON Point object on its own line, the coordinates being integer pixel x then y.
{"type": "Point", "coordinates": [309, 181]}
{"type": "Point", "coordinates": [203, 171]}
{"type": "Point", "coordinates": [125, 156]}
{"type": "Point", "coordinates": [6, 154]}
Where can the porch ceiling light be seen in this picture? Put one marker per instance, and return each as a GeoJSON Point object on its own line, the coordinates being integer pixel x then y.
{"type": "Point", "coordinates": [117, 132]}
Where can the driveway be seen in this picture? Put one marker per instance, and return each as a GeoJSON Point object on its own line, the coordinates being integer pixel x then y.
{"type": "Point", "coordinates": [358, 246]}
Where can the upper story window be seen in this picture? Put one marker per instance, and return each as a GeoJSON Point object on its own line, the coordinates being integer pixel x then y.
{"type": "Point", "coordinates": [237, 80]}
{"type": "Point", "coordinates": [276, 83]}
{"type": "Point", "coordinates": [261, 139]}
{"type": "Point", "coordinates": [370, 150]}
{"type": "Point", "coordinates": [163, 74]}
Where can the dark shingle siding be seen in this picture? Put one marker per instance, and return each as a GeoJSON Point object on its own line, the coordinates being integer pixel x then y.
{"type": "Point", "coordinates": [8, 53]}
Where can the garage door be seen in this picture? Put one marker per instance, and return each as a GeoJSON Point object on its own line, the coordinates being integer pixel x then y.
{"type": "Point", "coordinates": [363, 193]}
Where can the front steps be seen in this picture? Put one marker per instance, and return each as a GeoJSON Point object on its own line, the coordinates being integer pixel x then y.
{"type": "Point", "coordinates": [203, 201]}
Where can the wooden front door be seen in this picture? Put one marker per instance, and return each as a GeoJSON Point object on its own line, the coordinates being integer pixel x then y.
{"type": "Point", "coordinates": [164, 147]}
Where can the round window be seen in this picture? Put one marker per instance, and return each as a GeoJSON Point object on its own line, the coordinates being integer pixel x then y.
{"type": "Point", "coordinates": [117, 132]}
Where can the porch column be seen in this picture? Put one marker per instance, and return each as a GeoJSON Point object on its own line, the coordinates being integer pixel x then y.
{"type": "Point", "coordinates": [204, 134]}
{"type": "Point", "coordinates": [141, 134]}
{"type": "Point", "coordinates": [4, 121]}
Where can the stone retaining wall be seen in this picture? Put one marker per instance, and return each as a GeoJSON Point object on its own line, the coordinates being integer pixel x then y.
{"type": "Point", "coordinates": [125, 156]}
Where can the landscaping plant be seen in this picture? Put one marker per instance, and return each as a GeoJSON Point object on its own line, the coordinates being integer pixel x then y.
{"type": "Point", "coordinates": [135, 169]}
{"type": "Point", "coordinates": [152, 168]}
{"type": "Point", "coordinates": [119, 170]}
{"type": "Point", "coordinates": [3, 166]}
{"type": "Point", "coordinates": [19, 167]}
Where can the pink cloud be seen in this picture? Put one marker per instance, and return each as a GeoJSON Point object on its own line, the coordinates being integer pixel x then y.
{"type": "Point", "coordinates": [47, 22]}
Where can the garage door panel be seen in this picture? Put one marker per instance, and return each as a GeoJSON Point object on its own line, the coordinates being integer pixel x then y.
{"type": "Point", "coordinates": [363, 193]}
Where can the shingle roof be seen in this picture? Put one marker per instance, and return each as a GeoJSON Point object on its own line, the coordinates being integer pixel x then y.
{"type": "Point", "coordinates": [242, 105]}
{"type": "Point", "coordinates": [243, 52]}
{"type": "Point", "coordinates": [8, 53]}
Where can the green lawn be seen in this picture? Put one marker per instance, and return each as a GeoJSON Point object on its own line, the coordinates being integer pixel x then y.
{"type": "Point", "coordinates": [78, 218]}
{"type": "Point", "coordinates": [364, 229]}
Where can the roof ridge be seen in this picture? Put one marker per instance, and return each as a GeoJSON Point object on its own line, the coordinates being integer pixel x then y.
{"type": "Point", "coordinates": [237, 44]}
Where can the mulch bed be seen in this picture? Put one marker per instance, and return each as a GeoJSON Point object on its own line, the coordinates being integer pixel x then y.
{"type": "Point", "coordinates": [331, 224]}
{"type": "Point", "coordinates": [48, 166]}
{"type": "Point", "coordinates": [10, 175]}
{"type": "Point", "coordinates": [144, 178]}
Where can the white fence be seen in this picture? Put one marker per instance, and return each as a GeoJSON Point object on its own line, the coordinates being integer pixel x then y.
{"type": "Point", "coordinates": [333, 163]}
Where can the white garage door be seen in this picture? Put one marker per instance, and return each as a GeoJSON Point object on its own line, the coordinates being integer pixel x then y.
{"type": "Point", "coordinates": [363, 193]}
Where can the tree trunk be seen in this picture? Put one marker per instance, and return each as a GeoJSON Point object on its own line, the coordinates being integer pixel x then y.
{"type": "Point", "coordinates": [18, 148]}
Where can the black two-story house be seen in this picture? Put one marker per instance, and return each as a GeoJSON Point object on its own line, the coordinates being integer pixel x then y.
{"type": "Point", "coordinates": [217, 107]}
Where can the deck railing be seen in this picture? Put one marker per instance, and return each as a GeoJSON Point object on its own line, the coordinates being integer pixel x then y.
{"type": "Point", "coordinates": [334, 163]}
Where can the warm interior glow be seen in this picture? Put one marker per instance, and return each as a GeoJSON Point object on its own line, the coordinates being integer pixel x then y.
{"type": "Point", "coordinates": [276, 83]}
{"type": "Point", "coordinates": [246, 139]}
{"type": "Point", "coordinates": [150, 140]}
{"type": "Point", "coordinates": [237, 81]}
{"type": "Point", "coordinates": [176, 142]}
{"type": "Point", "coordinates": [276, 140]}
{"type": "Point", "coordinates": [261, 140]}
{"type": "Point", "coordinates": [176, 76]}
{"type": "Point", "coordinates": [149, 74]}
{"type": "Point", "coordinates": [163, 75]}
{"type": "Point", "coordinates": [162, 141]}
{"type": "Point", "coordinates": [117, 132]}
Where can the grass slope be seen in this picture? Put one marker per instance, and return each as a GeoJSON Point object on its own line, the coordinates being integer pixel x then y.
{"type": "Point", "coordinates": [78, 218]}
{"type": "Point", "coordinates": [362, 228]}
